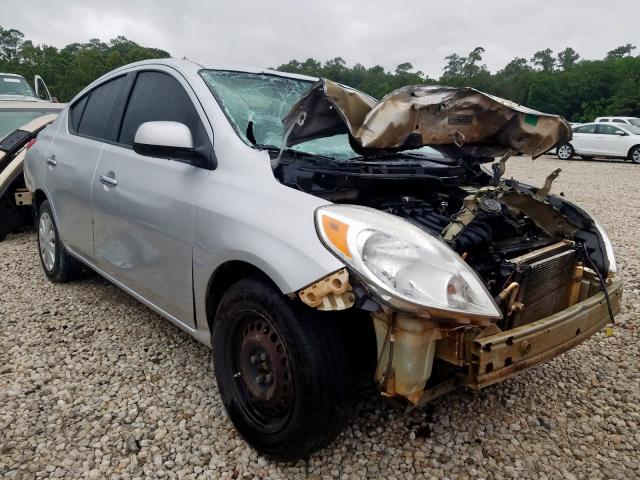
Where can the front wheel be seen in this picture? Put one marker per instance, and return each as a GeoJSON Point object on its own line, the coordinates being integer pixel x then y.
{"type": "Point", "coordinates": [281, 370]}
{"type": "Point", "coordinates": [565, 152]}
{"type": "Point", "coordinates": [634, 154]}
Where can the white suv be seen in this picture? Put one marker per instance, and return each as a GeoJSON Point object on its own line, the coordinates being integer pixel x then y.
{"type": "Point", "coordinates": [635, 121]}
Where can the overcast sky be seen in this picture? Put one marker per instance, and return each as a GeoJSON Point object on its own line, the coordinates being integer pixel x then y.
{"type": "Point", "coordinates": [265, 33]}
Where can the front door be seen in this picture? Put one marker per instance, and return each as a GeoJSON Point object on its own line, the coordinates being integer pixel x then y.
{"type": "Point", "coordinates": [143, 226]}
{"type": "Point", "coordinates": [145, 207]}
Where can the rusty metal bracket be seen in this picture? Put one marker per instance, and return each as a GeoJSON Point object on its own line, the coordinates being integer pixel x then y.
{"type": "Point", "coordinates": [542, 193]}
{"type": "Point", "coordinates": [333, 292]}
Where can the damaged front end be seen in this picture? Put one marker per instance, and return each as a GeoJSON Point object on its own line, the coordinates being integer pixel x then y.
{"type": "Point", "coordinates": [466, 277]}
{"type": "Point", "coordinates": [483, 277]}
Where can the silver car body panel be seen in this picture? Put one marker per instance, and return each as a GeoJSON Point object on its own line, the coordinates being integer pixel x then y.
{"type": "Point", "coordinates": [170, 226]}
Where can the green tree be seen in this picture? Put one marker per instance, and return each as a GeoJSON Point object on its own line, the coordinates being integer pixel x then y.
{"type": "Point", "coordinates": [544, 60]}
{"type": "Point", "coordinates": [567, 58]}
{"type": "Point", "coordinates": [621, 52]}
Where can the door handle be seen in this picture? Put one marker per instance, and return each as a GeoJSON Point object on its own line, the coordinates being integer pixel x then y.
{"type": "Point", "coordinates": [109, 181]}
{"type": "Point", "coordinates": [51, 160]}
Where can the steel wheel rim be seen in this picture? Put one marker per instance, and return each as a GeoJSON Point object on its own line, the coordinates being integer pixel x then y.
{"type": "Point", "coordinates": [564, 152]}
{"type": "Point", "coordinates": [263, 384]}
{"type": "Point", "coordinates": [47, 241]}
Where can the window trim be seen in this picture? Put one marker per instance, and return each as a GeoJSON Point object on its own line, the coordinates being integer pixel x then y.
{"type": "Point", "coordinates": [212, 161]}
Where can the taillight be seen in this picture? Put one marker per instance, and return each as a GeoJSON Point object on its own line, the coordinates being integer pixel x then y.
{"type": "Point", "coordinates": [31, 142]}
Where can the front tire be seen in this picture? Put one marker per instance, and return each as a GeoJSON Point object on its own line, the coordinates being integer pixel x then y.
{"type": "Point", "coordinates": [634, 154]}
{"type": "Point", "coordinates": [565, 152]}
{"type": "Point", "coordinates": [56, 262]}
{"type": "Point", "coordinates": [281, 369]}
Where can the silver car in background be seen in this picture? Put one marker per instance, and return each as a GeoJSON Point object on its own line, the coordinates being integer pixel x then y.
{"type": "Point", "coordinates": [303, 263]}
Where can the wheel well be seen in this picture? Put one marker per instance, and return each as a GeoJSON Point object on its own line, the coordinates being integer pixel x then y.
{"type": "Point", "coordinates": [38, 198]}
{"type": "Point", "coordinates": [226, 275]}
{"type": "Point", "coordinates": [631, 150]}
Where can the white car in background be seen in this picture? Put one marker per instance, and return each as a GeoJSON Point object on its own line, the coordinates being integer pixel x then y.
{"type": "Point", "coordinates": [625, 120]}
{"type": "Point", "coordinates": [23, 112]}
{"type": "Point", "coordinates": [600, 139]}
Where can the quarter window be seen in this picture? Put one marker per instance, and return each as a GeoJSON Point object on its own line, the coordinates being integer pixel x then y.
{"type": "Point", "coordinates": [96, 121]}
{"type": "Point", "coordinates": [157, 96]}
{"type": "Point", "coordinates": [617, 120]}
{"type": "Point", "coordinates": [75, 113]}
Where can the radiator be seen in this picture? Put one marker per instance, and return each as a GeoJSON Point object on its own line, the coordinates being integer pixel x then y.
{"type": "Point", "coordinates": [545, 287]}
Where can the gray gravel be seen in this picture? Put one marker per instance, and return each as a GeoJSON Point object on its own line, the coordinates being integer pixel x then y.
{"type": "Point", "coordinates": [95, 385]}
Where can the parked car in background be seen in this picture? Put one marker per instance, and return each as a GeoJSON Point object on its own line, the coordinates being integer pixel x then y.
{"type": "Point", "coordinates": [625, 120]}
{"type": "Point", "coordinates": [19, 112]}
{"type": "Point", "coordinates": [308, 243]}
{"type": "Point", "coordinates": [602, 139]}
{"type": "Point", "coordinates": [17, 86]}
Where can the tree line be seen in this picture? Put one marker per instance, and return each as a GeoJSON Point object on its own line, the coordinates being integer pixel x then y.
{"type": "Point", "coordinates": [68, 70]}
{"type": "Point", "coordinates": [562, 83]}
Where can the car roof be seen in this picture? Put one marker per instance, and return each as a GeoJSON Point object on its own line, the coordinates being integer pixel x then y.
{"type": "Point", "coordinates": [619, 118]}
{"type": "Point", "coordinates": [11, 75]}
{"type": "Point", "coordinates": [190, 66]}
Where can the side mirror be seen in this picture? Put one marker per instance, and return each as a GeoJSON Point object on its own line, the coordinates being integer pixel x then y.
{"type": "Point", "coordinates": [621, 133]}
{"type": "Point", "coordinates": [165, 140]}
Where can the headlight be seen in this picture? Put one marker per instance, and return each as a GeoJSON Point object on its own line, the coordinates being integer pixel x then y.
{"type": "Point", "coordinates": [608, 246]}
{"type": "Point", "coordinates": [403, 265]}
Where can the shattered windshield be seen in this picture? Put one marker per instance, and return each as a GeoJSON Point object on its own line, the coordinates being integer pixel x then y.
{"type": "Point", "coordinates": [14, 85]}
{"type": "Point", "coordinates": [255, 104]}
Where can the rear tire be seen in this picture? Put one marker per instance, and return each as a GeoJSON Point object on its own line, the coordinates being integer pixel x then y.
{"type": "Point", "coordinates": [281, 369]}
{"type": "Point", "coordinates": [634, 154]}
{"type": "Point", "coordinates": [56, 262]}
{"type": "Point", "coordinates": [565, 152]}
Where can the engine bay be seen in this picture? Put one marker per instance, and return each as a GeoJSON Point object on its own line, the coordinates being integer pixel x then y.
{"type": "Point", "coordinates": [530, 249]}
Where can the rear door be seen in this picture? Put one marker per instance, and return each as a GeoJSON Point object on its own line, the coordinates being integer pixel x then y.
{"type": "Point", "coordinates": [145, 207]}
{"type": "Point", "coordinates": [71, 162]}
{"type": "Point", "coordinates": [583, 138]}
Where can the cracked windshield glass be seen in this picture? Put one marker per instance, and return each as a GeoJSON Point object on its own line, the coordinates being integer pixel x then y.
{"type": "Point", "coordinates": [256, 103]}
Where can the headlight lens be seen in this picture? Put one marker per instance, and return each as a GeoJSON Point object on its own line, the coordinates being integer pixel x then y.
{"type": "Point", "coordinates": [405, 266]}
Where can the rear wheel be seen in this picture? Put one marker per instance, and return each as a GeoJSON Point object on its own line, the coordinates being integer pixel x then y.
{"type": "Point", "coordinates": [56, 262]}
{"type": "Point", "coordinates": [634, 154]}
{"type": "Point", "coordinates": [281, 369]}
{"type": "Point", "coordinates": [565, 152]}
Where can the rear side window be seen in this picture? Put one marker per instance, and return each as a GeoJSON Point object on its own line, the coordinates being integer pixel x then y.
{"type": "Point", "coordinates": [585, 129]}
{"type": "Point", "coordinates": [617, 120]}
{"type": "Point", "coordinates": [96, 120]}
{"type": "Point", "coordinates": [603, 120]}
{"type": "Point", "coordinates": [157, 96]}
{"type": "Point", "coordinates": [75, 113]}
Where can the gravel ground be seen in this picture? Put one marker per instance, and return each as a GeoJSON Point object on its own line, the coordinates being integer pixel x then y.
{"type": "Point", "coordinates": [95, 385]}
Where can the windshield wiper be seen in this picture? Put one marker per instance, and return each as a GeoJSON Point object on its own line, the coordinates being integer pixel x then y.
{"type": "Point", "coordinates": [297, 153]}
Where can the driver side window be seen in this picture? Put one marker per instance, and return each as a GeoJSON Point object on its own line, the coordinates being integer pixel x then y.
{"type": "Point", "coordinates": [156, 96]}
{"type": "Point", "coordinates": [607, 130]}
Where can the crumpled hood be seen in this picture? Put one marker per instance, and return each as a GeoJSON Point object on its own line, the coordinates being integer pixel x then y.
{"type": "Point", "coordinates": [461, 120]}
